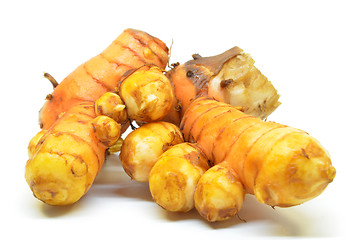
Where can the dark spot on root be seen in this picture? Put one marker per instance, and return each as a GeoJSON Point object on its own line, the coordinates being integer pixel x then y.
{"type": "Point", "coordinates": [178, 107]}
{"type": "Point", "coordinates": [189, 74]}
{"type": "Point", "coordinates": [305, 153]}
{"type": "Point", "coordinates": [225, 83]}
{"type": "Point", "coordinates": [49, 97]}
{"type": "Point", "coordinates": [175, 64]}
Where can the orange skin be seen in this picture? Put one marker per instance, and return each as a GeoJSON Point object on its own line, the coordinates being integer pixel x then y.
{"type": "Point", "coordinates": [281, 165]}
{"type": "Point", "coordinates": [190, 80]}
{"type": "Point", "coordinates": [103, 72]}
{"type": "Point", "coordinates": [66, 159]}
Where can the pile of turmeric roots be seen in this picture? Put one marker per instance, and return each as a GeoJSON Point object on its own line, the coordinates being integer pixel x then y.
{"type": "Point", "coordinates": [201, 139]}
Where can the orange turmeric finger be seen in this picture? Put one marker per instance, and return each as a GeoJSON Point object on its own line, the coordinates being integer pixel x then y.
{"type": "Point", "coordinates": [66, 159]}
{"type": "Point", "coordinates": [67, 156]}
{"type": "Point", "coordinates": [102, 73]}
{"type": "Point", "coordinates": [280, 165]}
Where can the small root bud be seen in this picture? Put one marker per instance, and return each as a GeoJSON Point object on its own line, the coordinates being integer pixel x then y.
{"type": "Point", "coordinates": [110, 104]}
{"type": "Point", "coordinates": [51, 80]}
{"type": "Point", "coordinates": [49, 97]}
{"type": "Point", "coordinates": [120, 107]}
{"type": "Point", "coordinates": [106, 130]}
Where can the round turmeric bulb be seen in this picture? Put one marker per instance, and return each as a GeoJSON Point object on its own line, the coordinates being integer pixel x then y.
{"type": "Point", "coordinates": [143, 146]}
{"type": "Point", "coordinates": [174, 177]}
{"type": "Point", "coordinates": [219, 194]}
{"type": "Point", "coordinates": [147, 93]}
{"type": "Point", "coordinates": [106, 130]}
{"type": "Point", "coordinates": [110, 104]}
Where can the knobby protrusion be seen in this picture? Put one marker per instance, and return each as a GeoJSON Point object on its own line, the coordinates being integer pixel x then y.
{"type": "Point", "coordinates": [196, 56]}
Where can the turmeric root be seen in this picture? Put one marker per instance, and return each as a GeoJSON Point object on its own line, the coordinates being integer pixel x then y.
{"type": "Point", "coordinates": [282, 166]}
{"type": "Point", "coordinates": [106, 130]}
{"type": "Point", "coordinates": [173, 178]}
{"type": "Point", "coordinates": [147, 93]}
{"type": "Point", "coordinates": [142, 147]}
{"type": "Point", "coordinates": [219, 193]}
{"type": "Point", "coordinates": [102, 73]}
{"type": "Point", "coordinates": [67, 155]}
{"type": "Point", "coordinates": [110, 104]}
{"type": "Point", "coordinates": [229, 77]}
{"type": "Point", "coordinates": [66, 159]}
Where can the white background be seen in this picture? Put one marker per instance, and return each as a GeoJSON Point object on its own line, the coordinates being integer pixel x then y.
{"type": "Point", "coordinates": [310, 50]}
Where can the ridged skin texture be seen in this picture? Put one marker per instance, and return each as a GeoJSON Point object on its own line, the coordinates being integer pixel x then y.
{"type": "Point", "coordinates": [282, 166]}
{"type": "Point", "coordinates": [65, 160]}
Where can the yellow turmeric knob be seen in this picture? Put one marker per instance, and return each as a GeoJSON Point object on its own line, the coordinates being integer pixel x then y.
{"type": "Point", "coordinates": [219, 193]}
{"type": "Point", "coordinates": [148, 94]}
{"type": "Point", "coordinates": [173, 178]}
{"type": "Point", "coordinates": [110, 104]}
{"type": "Point", "coordinates": [106, 130]}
